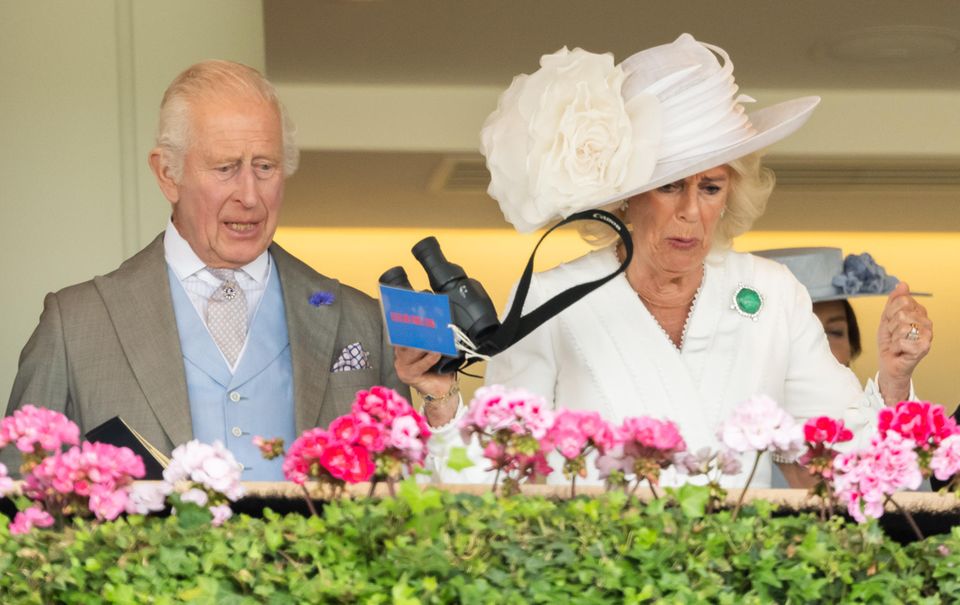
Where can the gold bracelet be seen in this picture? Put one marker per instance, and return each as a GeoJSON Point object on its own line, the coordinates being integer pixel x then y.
{"type": "Point", "coordinates": [429, 399]}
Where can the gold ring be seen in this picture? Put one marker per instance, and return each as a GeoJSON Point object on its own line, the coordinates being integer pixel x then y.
{"type": "Point", "coordinates": [914, 332]}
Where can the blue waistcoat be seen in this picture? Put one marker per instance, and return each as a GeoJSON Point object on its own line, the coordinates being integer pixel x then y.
{"type": "Point", "coordinates": [255, 400]}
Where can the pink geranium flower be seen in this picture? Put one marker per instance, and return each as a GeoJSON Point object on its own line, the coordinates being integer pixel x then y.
{"type": "Point", "coordinates": [381, 403]}
{"type": "Point", "coordinates": [575, 434]}
{"type": "Point", "coordinates": [34, 430]}
{"type": "Point", "coordinates": [91, 477]}
{"type": "Point", "coordinates": [945, 462]}
{"type": "Point", "coordinates": [826, 431]}
{"type": "Point", "coordinates": [269, 448]}
{"type": "Point", "coordinates": [221, 513]}
{"type": "Point", "coordinates": [864, 480]}
{"type": "Point", "coordinates": [643, 446]}
{"type": "Point", "coordinates": [391, 429]}
{"type": "Point", "coordinates": [26, 520]}
{"type": "Point", "coordinates": [509, 425]}
{"type": "Point", "coordinates": [380, 437]}
{"type": "Point", "coordinates": [304, 452]}
{"type": "Point", "coordinates": [925, 423]}
{"type": "Point", "coordinates": [349, 463]}
{"type": "Point", "coordinates": [821, 435]}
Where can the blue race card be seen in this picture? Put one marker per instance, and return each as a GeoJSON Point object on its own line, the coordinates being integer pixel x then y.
{"type": "Point", "coordinates": [418, 320]}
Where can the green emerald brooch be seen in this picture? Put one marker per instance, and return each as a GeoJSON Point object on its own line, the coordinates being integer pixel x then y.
{"type": "Point", "coordinates": [747, 302]}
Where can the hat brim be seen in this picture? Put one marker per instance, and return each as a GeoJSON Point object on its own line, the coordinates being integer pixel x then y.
{"type": "Point", "coordinates": [834, 297]}
{"type": "Point", "coordinates": [771, 124]}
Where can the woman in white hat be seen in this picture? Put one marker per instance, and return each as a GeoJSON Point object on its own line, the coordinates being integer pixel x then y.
{"type": "Point", "coordinates": [691, 329]}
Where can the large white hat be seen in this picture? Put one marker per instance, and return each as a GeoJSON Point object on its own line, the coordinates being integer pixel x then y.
{"type": "Point", "coordinates": [582, 132]}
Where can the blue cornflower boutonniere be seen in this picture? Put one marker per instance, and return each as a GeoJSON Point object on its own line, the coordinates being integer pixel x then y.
{"type": "Point", "coordinates": [321, 298]}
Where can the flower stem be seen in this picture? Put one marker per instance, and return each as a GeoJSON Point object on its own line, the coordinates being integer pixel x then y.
{"type": "Point", "coordinates": [653, 489]}
{"type": "Point", "coordinates": [573, 487]}
{"type": "Point", "coordinates": [909, 517]}
{"type": "Point", "coordinates": [306, 496]}
{"type": "Point", "coordinates": [743, 492]}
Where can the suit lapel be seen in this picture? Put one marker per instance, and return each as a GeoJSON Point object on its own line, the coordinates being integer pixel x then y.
{"type": "Point", "coordinates": [312, 331]}
{"type": "Point", "coordinates": [137, 297]}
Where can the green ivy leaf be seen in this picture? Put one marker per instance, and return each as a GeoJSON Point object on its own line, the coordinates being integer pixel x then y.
{"type": "Point", "coordinates": [693, 500]}
{"type": "Point", "coordinates": [458, 459]}
{"type": "Point", "coordinates": [403, 594]}
{"type": "Point", "coordinates": [419, 500]}
{"type": "Point", "coordinates": [190, 516]}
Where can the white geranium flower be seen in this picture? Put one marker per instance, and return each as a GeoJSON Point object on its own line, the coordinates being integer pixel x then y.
{"type": "Point", "coordinates": [195, 495]}
{"type": "Point", "coordinates": [206, 466]}
{"type": "Point", "coordinates": [759, 424]}
{"type": "Point", "coordinates": [145, 498]}
{"type": "Point", "coordinates": [563, 139]}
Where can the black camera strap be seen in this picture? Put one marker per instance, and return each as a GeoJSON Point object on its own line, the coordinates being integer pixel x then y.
{"type": "Point", "coordinates": [514, 326]}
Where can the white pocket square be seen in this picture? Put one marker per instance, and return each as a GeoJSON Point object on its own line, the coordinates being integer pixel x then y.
{"type": "Point", "coordinates": [352, 357]}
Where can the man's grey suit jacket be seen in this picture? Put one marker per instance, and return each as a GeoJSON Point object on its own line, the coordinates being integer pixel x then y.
{"type": "Point", "coordinates": [109, 347]}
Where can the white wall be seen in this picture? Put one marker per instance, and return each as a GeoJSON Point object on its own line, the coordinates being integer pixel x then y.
{"type": "Point", "coordinates": [82, 82]}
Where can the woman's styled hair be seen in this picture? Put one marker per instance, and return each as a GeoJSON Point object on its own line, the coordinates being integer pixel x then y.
{"type": "Point", "coordinates": [215, 80]}
{"type": "Point", "coordinates": [750, 187]}
{"type": "Point", "coordinates": [853, 330]}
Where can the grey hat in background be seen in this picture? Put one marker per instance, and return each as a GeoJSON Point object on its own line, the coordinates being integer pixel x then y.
{"type": "Point", "coordinates": [828, 276]}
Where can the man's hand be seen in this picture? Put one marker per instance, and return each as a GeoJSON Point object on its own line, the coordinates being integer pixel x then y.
{"type": "Point", "coordinates": [797, 477]}
{"type": "Point", "coordinates": [903, 339]}
{"type": "Point", "coordinates": [413, 369]}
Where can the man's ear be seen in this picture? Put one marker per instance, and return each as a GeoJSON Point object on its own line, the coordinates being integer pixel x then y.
{"type": "Point", "coordinates": [161, 170]}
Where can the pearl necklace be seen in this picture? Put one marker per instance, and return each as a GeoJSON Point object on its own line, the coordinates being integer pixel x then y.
{"type": "Point", "coordinates": [686, 322]}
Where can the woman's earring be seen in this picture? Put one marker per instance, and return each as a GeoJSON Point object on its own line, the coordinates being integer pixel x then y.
{"type": "Point", "coordinates": [623, 206]}
{"type": "Point", "coordinates": [722, 212]}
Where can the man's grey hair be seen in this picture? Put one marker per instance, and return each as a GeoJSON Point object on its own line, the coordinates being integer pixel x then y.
{"type": "Point", "coordinates": [215, 79]}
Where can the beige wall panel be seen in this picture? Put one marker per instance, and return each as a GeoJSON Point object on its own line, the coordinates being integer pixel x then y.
{"type": "Point", "coordinates": [168, 37]}
{"type": "Point", "coordinates": [82, 84]}
{"type": "Point", "coordinates": [59, 179]}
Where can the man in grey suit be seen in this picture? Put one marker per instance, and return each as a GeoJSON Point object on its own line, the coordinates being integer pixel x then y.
{"type": "Point", "coordinates": [212, 331]}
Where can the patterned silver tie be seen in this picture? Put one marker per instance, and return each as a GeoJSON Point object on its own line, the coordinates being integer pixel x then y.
{"type": "Point", "coordinates": [227, 314]}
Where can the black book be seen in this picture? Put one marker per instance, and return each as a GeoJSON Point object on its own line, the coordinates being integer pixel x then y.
{"type": "Point", "coordinates": [118, 433]}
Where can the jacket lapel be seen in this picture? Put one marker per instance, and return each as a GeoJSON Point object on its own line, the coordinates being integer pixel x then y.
{"type": "Point", "coordinates": [714, 337]}
{"type": "Point", "coordinates": [137, 297]}
{"type": "Point", "coordinates": [312, 331]}
{"type": "Point", "coordinates": [637, 367]}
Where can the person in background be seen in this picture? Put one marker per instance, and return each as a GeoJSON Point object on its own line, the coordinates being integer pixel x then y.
{"type": "Point", "coordinates": [212, 331]}
{"type": "Point", "coordinates": [691, 329]}
{"type": "Point", "coordinates": [832, 281]}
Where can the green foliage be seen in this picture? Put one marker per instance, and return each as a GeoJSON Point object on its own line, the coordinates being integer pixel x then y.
{"type": "Point", "coordinates": [458, 459]}
{"type": "Point", "coordinates": [426, 547]}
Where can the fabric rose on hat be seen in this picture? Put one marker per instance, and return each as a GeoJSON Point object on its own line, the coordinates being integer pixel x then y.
{"type": "Point", "coordinates": [563, 139]}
